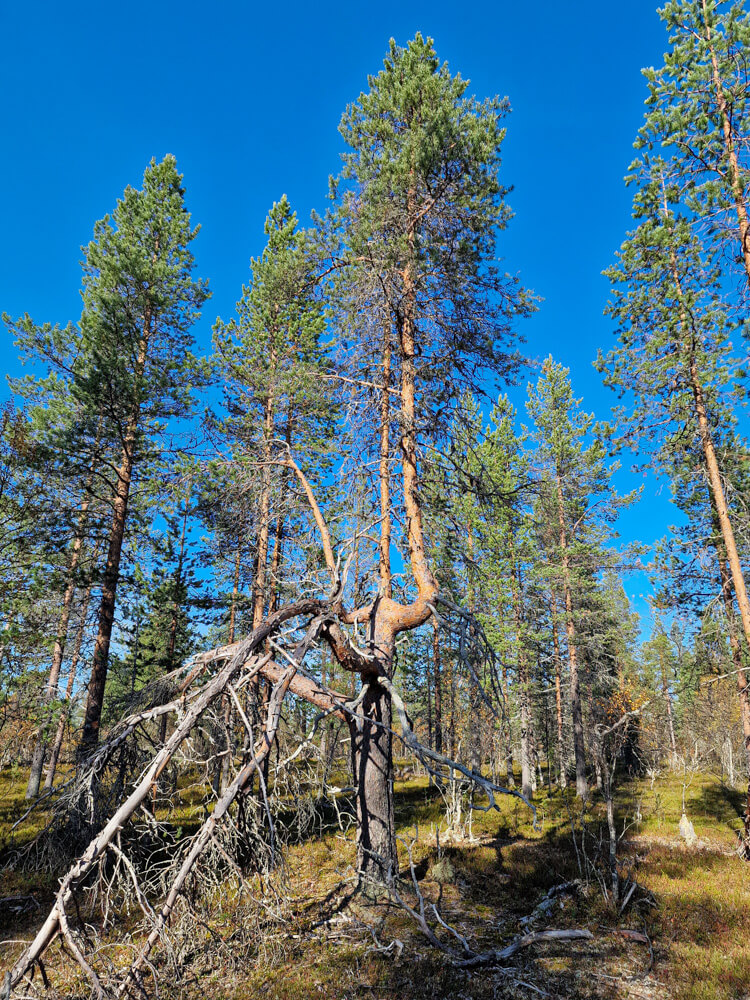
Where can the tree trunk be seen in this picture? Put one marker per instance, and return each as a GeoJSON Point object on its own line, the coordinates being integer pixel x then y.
{"type": "Point", "coordinates": [264, 508]}
{"type": "Point", "coordinates": [58, 653]}
{"type": "Point", "coordinates": [726, 546]}
{"type": "Point", "coordinates": [174, 620]}
{"type": "Point", "coordinates": [279, 537]}
{"type": "Point", "coordinates": [54, 756]}
{"type": "Point", "coordinates": [97, 683]}
{"type": "Point", "coordinates": [372, 765]}
{"type": "Point", "coordinates": [437, 685]}
{"type": "Point", "coordinates": [475, 702]}
{"type": "Point", "coordinates": [737, 658]}
{"type": "Point", "coordinates": [50, 691]}
{"type": "Point", "coordinates": [561, 760]}
{"type": "Point", "coordinates": [527, 760]}
{"type": "Point", "coordinates": [372, 750]}
{"type": "Point", "coordinates": [510, 779]}
{"type": "Point", "coordinates": [235, 593]}
{"type": "Point", "coordinates": [670, 719]}
{"type": "Point", "coordinates": [384, 468]}
{"type": "Point", "coordinates": [575, 689]}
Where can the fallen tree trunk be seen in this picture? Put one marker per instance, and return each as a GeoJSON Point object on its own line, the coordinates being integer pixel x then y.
{"type": "Point", "coordinates": [245, 656]}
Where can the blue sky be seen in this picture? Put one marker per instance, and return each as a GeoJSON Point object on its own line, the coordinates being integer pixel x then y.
{"type": "Point", "coordinates": [248, 97]}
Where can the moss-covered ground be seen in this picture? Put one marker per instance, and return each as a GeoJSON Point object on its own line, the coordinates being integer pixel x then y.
{"type": "Point", "coordinates": [690, 912]}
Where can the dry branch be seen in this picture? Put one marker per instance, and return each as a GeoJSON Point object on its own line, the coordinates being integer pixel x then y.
{"type": "Point", "coordinates": [246, 657]}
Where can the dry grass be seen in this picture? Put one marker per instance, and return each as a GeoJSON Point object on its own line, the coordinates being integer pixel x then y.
{"type": "Point", "coordinates": [699, 927]}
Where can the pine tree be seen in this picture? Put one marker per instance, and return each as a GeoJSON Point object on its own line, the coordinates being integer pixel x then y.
{"type": "Point", "coordinates": [579, 500]}
{"type": "Point", "coordinates": [507, 551]}
{"type": "Point", "coordinates": [699, 118]}
{"type": "Point", "coordinates": [136, 367]}
{"type": "Point", "coordinates": [420, 208]}
{"type": "Point", "coordinates": [272, 361]}
{"type": "Point", "coordinates": [676, 362]}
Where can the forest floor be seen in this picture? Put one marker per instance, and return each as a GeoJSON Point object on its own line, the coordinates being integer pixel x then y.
{"type": "Point", "coordinates": [684, 934]}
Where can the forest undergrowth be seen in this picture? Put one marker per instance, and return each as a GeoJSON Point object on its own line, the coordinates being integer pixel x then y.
{"type": "Point", "coordinates": [682, 934]}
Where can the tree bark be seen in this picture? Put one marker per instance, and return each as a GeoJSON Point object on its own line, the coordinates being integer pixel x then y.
{"type": "Point", "coordinates": [743, 691]}
{"type": "Point", "coordinates": [726, 545]}
{"type": "Point", "coordinates": [386, 587]}
{"type": "Point", "coordinates": [174, 620]}
{"type": "Point", "coordinates": [372, 766]}
{"type": "Point", "coordinates": [235, 593]}
{"type": "Point", "coordinates": [50, 692]}
{"type": "Point", "coordinates": [561, 760]}
{"type": "Point", "coordinates": [527, 764]}
{"type": "Point", "coordinates": [437, 686]}
{"type": "Point", "coordinates": [670, 714]}
{"type": "Point", "coordinates": [97, 683]}
{"type": "Point", "coordinates": [264, 508]}
{"type": "Point", "coordinates": [54, 755]}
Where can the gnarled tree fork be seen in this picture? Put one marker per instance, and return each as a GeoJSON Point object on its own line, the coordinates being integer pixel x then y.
{"type": "Point", "coordinates": [191, 694]}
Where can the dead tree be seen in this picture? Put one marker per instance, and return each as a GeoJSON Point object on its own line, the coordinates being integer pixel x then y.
{"type": "Point", "coordinates": [191, 691]}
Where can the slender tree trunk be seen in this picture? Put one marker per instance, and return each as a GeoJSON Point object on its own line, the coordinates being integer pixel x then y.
{"type": "Point", "coordinates": [726, 545]}
{"type": "Point", "coordinates": [670, 718]}
{"type": "Point", "coordinates": [428, 682]}
{"type": "Point", "coordinates": [527, 761]}
{"type": "Point", "coordinates": [264, 508]}
{"type": "Point", "coordinates": [452, 719]}
{"type": "Point", "coordinates": [278, 543]}
{"type": "Point", "coordinates": [743, 690]}
{"type": "Point", "coordinates": [561, 758]}
{"type": "Point", "coordinates": [720, 503]}
{"type": "Point", "coordinates": [221, 775]}
{"type": "Point", "coordinates": [438, 686]}
{"type": "Point", "coordinates": [510, 779]}
{"type": "Point", "coordinates": [475, 713]}
{"type": "Point", "coordinates": [57, 743]}
{"type": "Point", "coordinates": [235, 593]}
{"type": "Point", "coordinates": [97, 683]}
{"type": "Point", "coordinates": [175, 617]}
{"type": "Point", "coordinates": [575, 689]}
{"type": "Point", "coordinates": [384, 468]}
{"type": "Point", "coordinates": [50, 691]}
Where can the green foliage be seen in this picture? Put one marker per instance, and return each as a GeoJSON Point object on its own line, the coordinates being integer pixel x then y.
{"type": "Point", "coordinates": [421, 205]}
{"type": "Point", "coordinates": [271, 356]}
{"type": "Point", "coordinates": [698, 115]}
